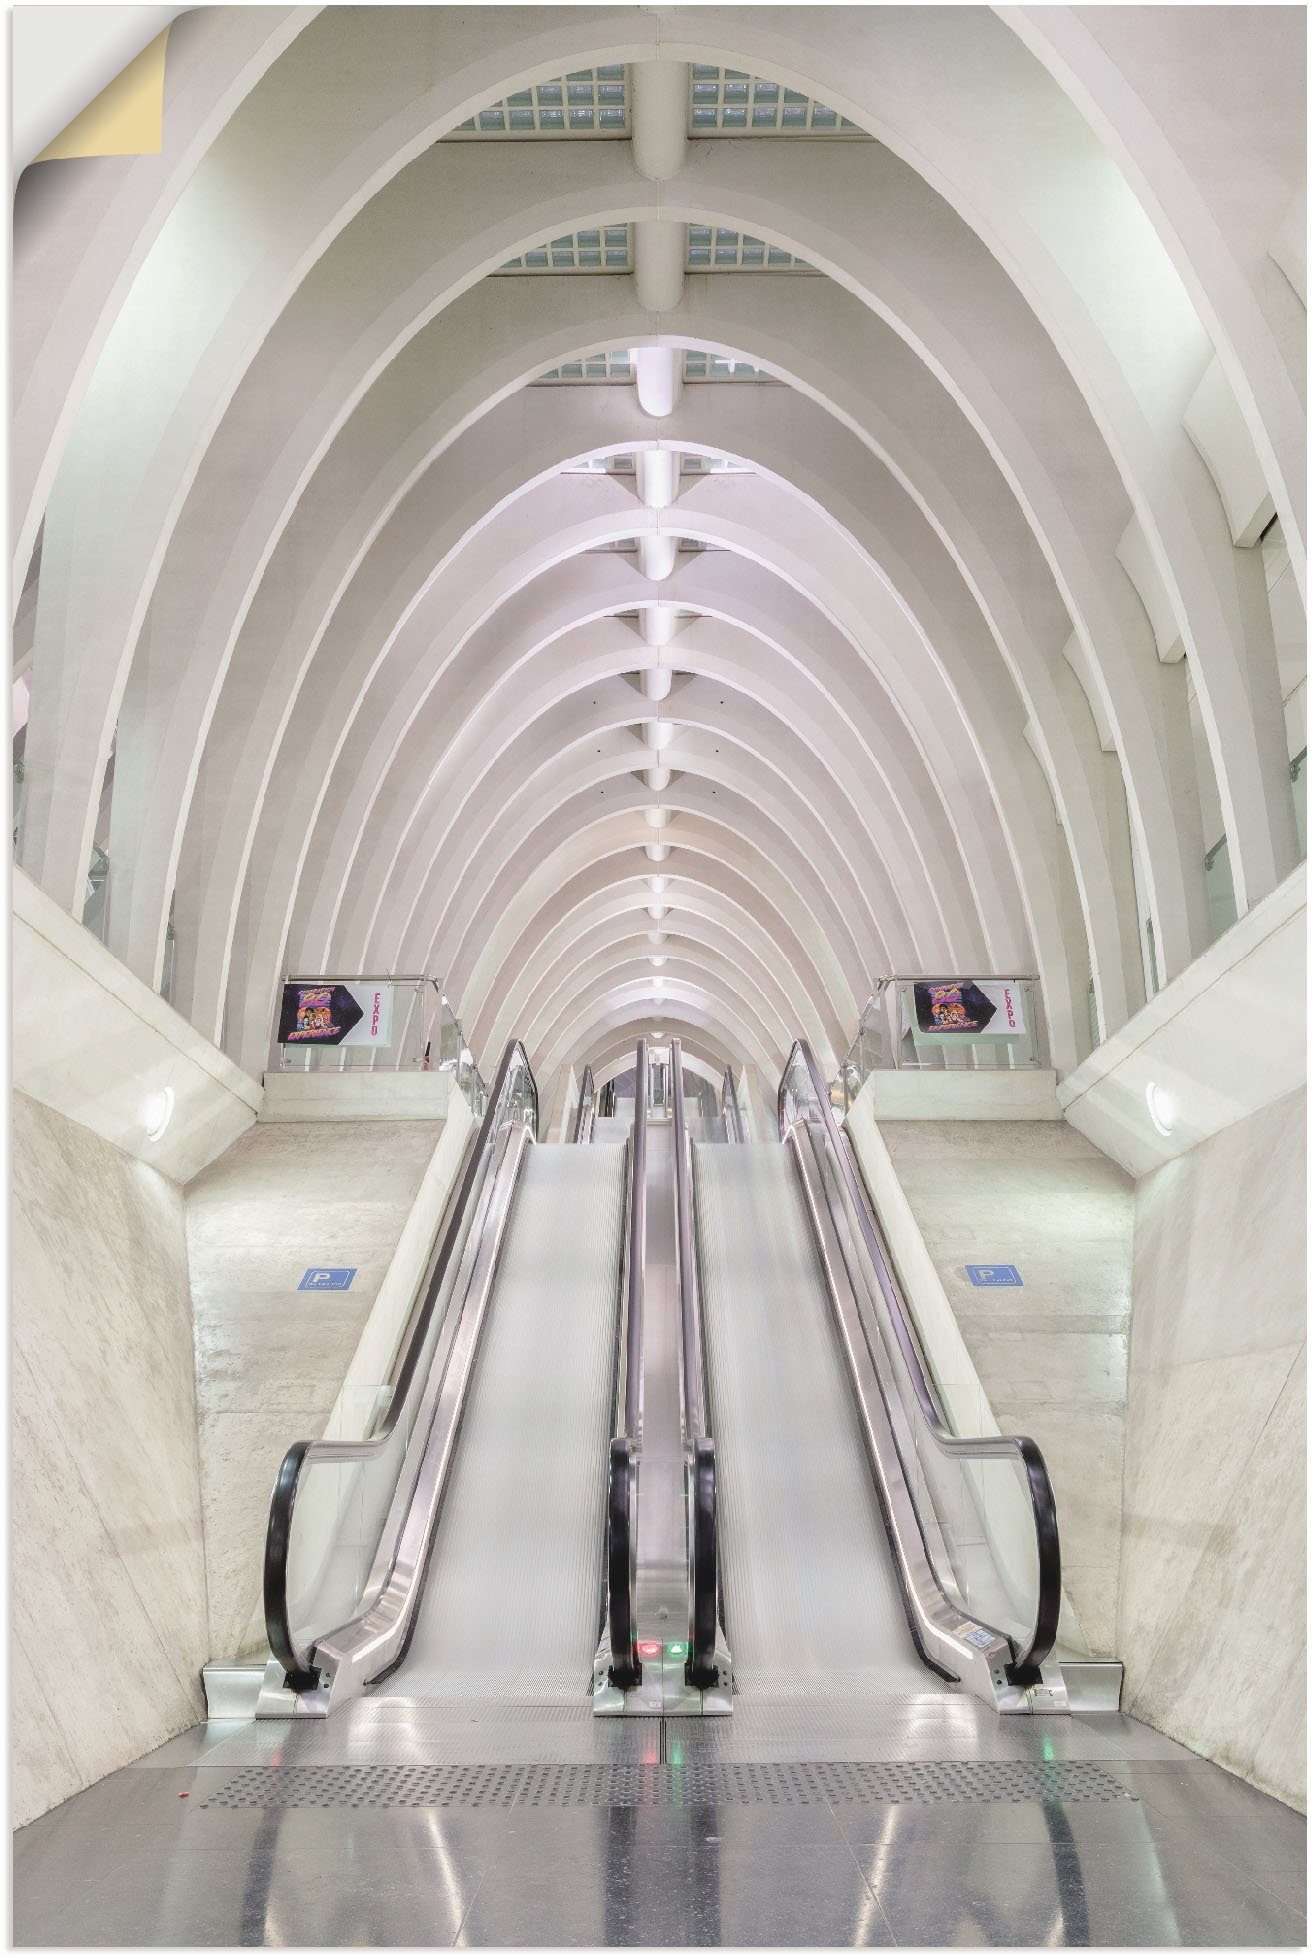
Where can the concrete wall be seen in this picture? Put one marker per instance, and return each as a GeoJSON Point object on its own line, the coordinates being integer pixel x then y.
{"type": "Point", "coordinates": [1049, 1356]}
{"type": "Point", "coordinates": [1213, 1564]}
{"type": "Point", "coordinates": [271, 1361]}
{"type": "Point", "coordinates": [108, 1574]}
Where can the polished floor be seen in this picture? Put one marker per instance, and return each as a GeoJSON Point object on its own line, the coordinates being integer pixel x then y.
{"type": "Point", "coordinates": [911, 1822]}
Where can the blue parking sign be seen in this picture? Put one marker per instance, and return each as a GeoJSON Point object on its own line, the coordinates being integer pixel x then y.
{"type": "Point", "coordinates": [994, 1276]}
{"type": "Point", "coordinates": [327, 1279]}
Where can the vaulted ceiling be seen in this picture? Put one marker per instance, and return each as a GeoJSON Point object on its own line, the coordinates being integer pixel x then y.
{"type": "Point", "coordinates": [662, 516]}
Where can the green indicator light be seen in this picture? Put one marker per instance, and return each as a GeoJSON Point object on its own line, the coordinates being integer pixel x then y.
{"type": "Point", "coordinates": [676, 1649]}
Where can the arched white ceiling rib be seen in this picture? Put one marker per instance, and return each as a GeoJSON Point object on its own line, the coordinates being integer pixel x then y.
{"type": "Point", "coordinates": [932, 566]}
{"type": "Point", "coordinates": [1254, 630]}
{"type": "Point", "coordinates": [578, 890]}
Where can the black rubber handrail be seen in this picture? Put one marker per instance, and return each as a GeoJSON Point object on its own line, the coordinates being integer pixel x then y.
{"type": "Point", "coordinates": [621, 1510]}
{"type": "Point", "coordinates": [1024, 1668]}
{"type": "Point", "coordinates": [282, 1505]}
{"type": "Point", "coordinates": [587, 1099]}
{"type": "Point", "coordinates": [700, 1671]}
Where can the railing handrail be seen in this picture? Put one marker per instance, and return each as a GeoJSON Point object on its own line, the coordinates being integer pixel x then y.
{"type": "Point", "coordinates": [694, 1396]}
{"type": "Point", "coordinates": [587, 1096]}
{"type": "Point", "coordinates": [636, 1288]}
{"type": "Point", "coordinates": [621, 1518]}
{"type": "Point", "coordinates": [733, 1115]}
{"type": "Point", "coordinates": [703, 1563]}
{"type": "Point", "coordinates": [287, 1484]}
{"type": "Point", "coordinates": [1042, 1504]}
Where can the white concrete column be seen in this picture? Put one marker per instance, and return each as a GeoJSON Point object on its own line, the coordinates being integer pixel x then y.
{"type": "Point", "coordinates": [658, 477]}
{"type": "Point", "coordinates": [659, 118]}
{"type": "Point", "coordinates": [660, 146]}
{"type": "Point", "coordinates": [657, 551]}
{"type": "Point", "coordinates": [659, 250]}
{"type": "Point", "coordinates": [659, 375]}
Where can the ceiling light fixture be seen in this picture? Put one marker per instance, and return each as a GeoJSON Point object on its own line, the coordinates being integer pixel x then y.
{"type": "Point", "coordinates": [657, 852]}
{"type": "Point", "coordinates": [657, 911]}
{"type": "Point", "coordinates": [657, 818]}
{"type": "Point", "coordinates": [657, 884]}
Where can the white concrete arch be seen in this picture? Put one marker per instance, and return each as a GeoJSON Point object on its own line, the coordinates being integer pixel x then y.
{"type": "Point", "coordinates": [622, 946]}
{"type": "Point", "coordinates": [695, 989]}
{"type": "Point", "coordinates": [738, 747]}
{"type": "Point", "coordinates": [490, 562]}
{"type": "Point", "coordinates": [322, 667]}
{"type": "Point", "coordinates": [584, 890]}
{"type": "Point", "coordinates": [626, 1007]}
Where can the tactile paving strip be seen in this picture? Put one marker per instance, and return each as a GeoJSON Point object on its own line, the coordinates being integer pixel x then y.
{"type": "Point", "coordinates": [498, 1786]}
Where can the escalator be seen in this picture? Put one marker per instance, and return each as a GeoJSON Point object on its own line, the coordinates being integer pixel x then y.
{"type": "Point", "coordinates": [866, 1551]}
{"type": "Point", "coordinates": [455, 1554]}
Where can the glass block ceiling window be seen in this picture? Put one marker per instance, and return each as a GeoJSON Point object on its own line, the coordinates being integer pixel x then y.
{"type": "Point", "coordinates": [608, 249]}
{"type": "Point", "coordinates": [616, 365]}
{"type": "Point", "coordinates": [602, 466]}
{"type": "Point", "coordinates": [725, 100]}
{"type": "Point", "coordinates": [591, 102]}
{"type": "Point", "coordinates": [698, 366]}
{"type": "Point", "coordinates": [705, 465]}
{"type": "Point", "coordinates": [712, 249]}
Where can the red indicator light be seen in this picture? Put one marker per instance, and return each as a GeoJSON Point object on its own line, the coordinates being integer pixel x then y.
{"type": "Point", "coordinates": [649, 1649]}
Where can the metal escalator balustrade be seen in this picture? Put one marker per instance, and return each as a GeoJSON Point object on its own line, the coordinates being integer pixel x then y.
{"type": "Point", "coordinates": [350, 1523]}
{"type": "Point", "coordinates": [707, 1665]}
{"type": "Point", "coordinates": [509, 1604]}
{"type": "Point", "coordinates": [972, 1519]}
{"type": "Point", "coordinates": [619, 1663]}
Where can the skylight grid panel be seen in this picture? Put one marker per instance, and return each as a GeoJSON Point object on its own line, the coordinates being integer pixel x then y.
{"type": "Point", "coordinates": [713, 249]}
{"type": "Point", "coordinates": [606, 248]}
{"type": "Point", "coordinates": [726, 101]}
{"type": "Point", "coordinates": [591, 102]}
{"type": "Point", "coordinates": [615, 365]}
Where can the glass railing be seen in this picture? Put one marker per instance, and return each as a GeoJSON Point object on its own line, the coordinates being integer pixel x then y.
{"type": "Point", "coordinates": [339, 1503]}
{"type": "Point", "coordinates": [735, 1130]}
{"type": "Point", "coordinates": [1220, 888]}
{"type": "Point", "coordinates": [95, 910]}
{"type": "Point", "coordinates": [943, 1022]}
{"type": "Point", "coordinates": [585, 1115]}
{"type": "Point", "coordinates": [1298, 780]}
{"type": "Point", "coordinates": [389, 1022]}
{"type": "Point", "coordinates": [16, 810]}
{"type": "Point", "coordinates": [983, 1504]}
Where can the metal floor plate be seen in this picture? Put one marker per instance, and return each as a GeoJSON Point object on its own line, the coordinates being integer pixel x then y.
{"type": "Point", "coordinates": [607, 1785]}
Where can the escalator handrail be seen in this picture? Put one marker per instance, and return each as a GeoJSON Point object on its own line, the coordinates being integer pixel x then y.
{"type": "Point", "coordinates": [621, 1508]}
{"type": "Point", "coordinates": [1042, 1503]}
{"type": "Point", "coordinates": [690, 1321]}
{"type": "Point", "coordinates": [586, 1113]}
{"type": "Point", "coordinates": [277, 1543]}
{"type": "Point", "coordinates": [704, 1548]}
{"type": "Point", "coordinates": [635, 1291]}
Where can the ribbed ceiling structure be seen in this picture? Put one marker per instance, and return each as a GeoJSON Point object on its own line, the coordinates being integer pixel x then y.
{"type": "Point", "coordinates": [837, 463]}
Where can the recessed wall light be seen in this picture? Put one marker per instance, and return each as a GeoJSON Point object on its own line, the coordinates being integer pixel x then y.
{"type": "Point", "coordinates": [1162, 1108]}
{"type": "Point", "coordinates": [157, 1115]}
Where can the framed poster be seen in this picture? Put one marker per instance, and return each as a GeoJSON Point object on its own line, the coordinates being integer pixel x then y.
{"type": "Point", "coordinates": [951, 1011]}
{"type": "Point", "coordinates": [328, 1014]}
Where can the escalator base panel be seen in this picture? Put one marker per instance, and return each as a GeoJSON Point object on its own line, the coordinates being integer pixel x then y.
{"type": "Point", "coordinates": [557, 1786]}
